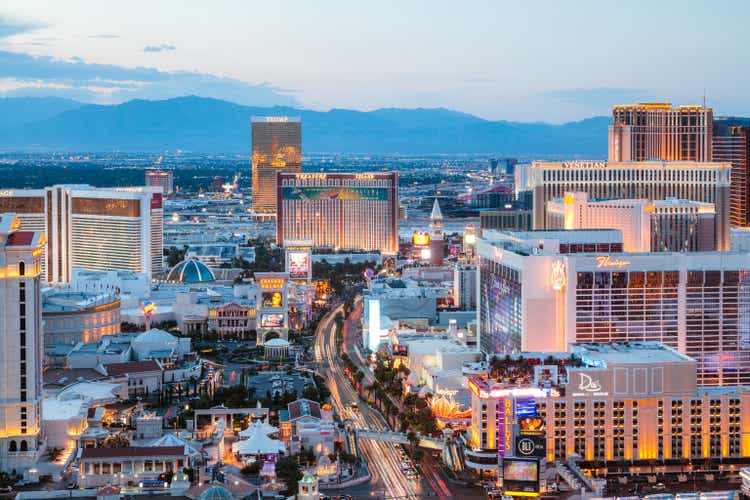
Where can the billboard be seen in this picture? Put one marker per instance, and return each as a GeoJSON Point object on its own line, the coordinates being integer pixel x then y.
{"type": "Point", "coordinates": [299, 264]}
{"type": "Point", "coordinates": [531, 446]}
{"type": "Point", "coordinates": [520, 475]}
{"type": "Point", "coordinates": [531, 426]}
{"type": "Point", "coordinates": [314, 193]}
{"type": "Point", "coordinates": [272, 320]}
{"type": "Point", "coordinates": [272, 299]}
{"type": "Point", "coordinates": [420, 238]}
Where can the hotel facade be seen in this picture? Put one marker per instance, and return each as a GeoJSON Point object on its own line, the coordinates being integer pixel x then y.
{"type": "Point", "coordinates": [731, 143]}
{"type": "Point", "coordinates": [624, 408]}
{"type": "Point", "coordinates": [658, 131]}
{"type": "Point", "coordinates": [339, 211]}
{"type": "Point", "coordinates": [92, 228]}
{"type": "Point", "coordinates": [670, 225]}
{"type": "Point", "coordinates": [21, 345]}
{"type": "Point", "coordinates": [650, 180]}
{"type": "Point", "coordinates": [277, 147]}
{"type": "Point", "coordinates": [542, 290]}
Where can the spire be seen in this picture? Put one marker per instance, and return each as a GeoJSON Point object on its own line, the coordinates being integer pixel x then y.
{"type": "Point", "coordinates": [436, 213]}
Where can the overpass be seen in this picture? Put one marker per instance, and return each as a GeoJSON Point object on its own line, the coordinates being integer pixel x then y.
{"type": "Point", "coordinates": [399, 438]}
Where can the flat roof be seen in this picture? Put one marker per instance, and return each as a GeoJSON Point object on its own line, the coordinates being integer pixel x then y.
{"type": "Point", "coordinates": [627, 352]}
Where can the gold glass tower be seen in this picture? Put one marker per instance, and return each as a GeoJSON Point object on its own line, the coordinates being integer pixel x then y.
{"type": "Point", "coordinates": [277, 147]}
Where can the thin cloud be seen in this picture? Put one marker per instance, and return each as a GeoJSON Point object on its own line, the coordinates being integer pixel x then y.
{"type": "Point", "coordinates": [24, 74]}
{"type": "Point", "coordinates": [9, 28]}
{"type": "Point", "coordinates": [159, 48]}
{"type": "Point", "coordinates": [104, 36]}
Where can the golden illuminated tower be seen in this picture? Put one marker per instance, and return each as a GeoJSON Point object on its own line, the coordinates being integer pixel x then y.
{"type": "Point", "coordinates": [657, 131]}
{"type": "Point", "coordinates": [277, 147]}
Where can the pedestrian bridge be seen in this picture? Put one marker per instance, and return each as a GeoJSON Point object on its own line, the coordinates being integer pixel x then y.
{"type": "Point", "coordinates": [399, 438]}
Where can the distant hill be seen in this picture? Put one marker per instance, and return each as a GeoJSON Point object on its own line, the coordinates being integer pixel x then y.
{"type": "Point", "coordinates": [210, 125]}
{"type": "Point", "coordinates": [16, 110]}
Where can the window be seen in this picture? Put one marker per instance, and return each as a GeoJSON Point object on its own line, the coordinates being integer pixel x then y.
{"type": "Point", "coordinates": [13, 447]}
{"type": "Point", "coordinates": [21, 269]}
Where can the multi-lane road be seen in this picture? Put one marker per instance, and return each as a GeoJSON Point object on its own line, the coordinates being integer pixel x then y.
{"type": "Point", "coordinates": [383, 459]}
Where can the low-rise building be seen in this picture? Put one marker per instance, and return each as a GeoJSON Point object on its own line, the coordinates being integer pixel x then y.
{"type": "Point", "coordinates": [622, 406]}
{"type": "Point", "coordinates": [133, 463]}
{"type": "Point", "coordinates": [142, 378]}
{"type": "Point", "coordinates": [72, 316]}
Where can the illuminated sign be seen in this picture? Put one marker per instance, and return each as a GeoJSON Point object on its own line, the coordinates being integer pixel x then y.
{"type": "Point", "coordinates": [272, 299]}
{"type": "Point", "coordinates": [607, 261]}
{"type": "Point", "coordinates": [501, 392]}
{"type": "Point", "coordinates": [470, 238]}
{"type": "Point", "coordinates": [330, 193]}
{"type": "Point", "coordinates": [373, 323]}
{"type": "Point", "coordinates": [521, 476]}
{"type": "Point", "coordinates": [425, 254]}
{"type": "Point", "coordinates": [311, 176]}
{"type": "Point", "coordinates": [274, 320]}
{"type": "Point", "coordinates": [364, 177]}
{"type": "Point", "coordinates": [531, 446]}
{"type": "Point", "coordinates": [420, 238]}
{"type": "Point", "coordinates": [525, 407]}
{"type": "Point", "coordinates": [446, 392]}
{"type": "Point", "coordinates": [501, 423]}
{"type": "Point", "coordinates": [6, 192]}
{"type": "Point", "coordinates": [272, 283]}
{"type": "Point", "coordinates": [299, 264]}
{"type": "Point", "coordinates": [558, 276]}
{"type": "Point", "coordinates": [277, 119]}
{"type": "Point", "coordinates": [584, 164]}
{"type": "Point", "coordinates": [589, 386]}
{"type": "Point", "coordinates": [148, 308]}
{"type": "Point", "coordinates": [508, 416]}
{"type": "Point", "coordinates": [531, 426]}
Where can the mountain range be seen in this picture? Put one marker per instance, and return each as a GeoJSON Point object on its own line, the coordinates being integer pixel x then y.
{"type": "Point", "coordinates": [206, 125]}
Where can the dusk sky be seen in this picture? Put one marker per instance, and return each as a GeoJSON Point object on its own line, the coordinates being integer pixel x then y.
{"type": "Point", "coordinates": [527, 61]}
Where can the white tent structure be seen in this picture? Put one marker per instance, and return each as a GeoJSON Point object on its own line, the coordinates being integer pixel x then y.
{"type": "Point", "coordinates": [265, 427]}
{"type": "Point", "coordinates": [258, 443]}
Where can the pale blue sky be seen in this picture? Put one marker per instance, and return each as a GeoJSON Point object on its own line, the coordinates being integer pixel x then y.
{"type": "Point", "coordinates": [517, 60]}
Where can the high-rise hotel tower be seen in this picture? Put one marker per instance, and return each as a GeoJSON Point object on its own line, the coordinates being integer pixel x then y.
{"type": "Point", "coordinates": [21, 346]}
{"type": "Point", "coordinates": [706, 182]}
{"type": "Point", "coordinates": [339, 211]}
{"type": "Point", "coordinates": [657, 131]}
{"type": "Point", "coordinates": [90, 228]}
{"type": "Point", "coordinates": [277, 147]}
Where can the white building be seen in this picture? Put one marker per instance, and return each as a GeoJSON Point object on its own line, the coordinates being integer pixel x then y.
{"type": "Point", "coordinates": [92, 228]}
{"type": "Point", "coordinates": [465, 287]}
{"type": "Point", "coordinates": [72, 316]}
{"type": "Point", "coordinates": [535, 297]}
{"type": "Point", "coordinates": [665, 225]}
{"type": "Point", "coordinates": [21, 344]}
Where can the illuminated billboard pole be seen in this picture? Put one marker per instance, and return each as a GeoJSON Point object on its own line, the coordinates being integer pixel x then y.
{"type": "Point", "coordinates": [373, 324]}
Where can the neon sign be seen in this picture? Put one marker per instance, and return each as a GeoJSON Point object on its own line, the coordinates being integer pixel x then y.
{"type": "Point", "coordinates": [607, 261]}
{"type": "Point", "coordinates": [584, 164]}
{"type": "Point", "coordinates": [558, 277]}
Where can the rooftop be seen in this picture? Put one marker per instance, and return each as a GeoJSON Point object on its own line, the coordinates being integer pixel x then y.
{"type": "Point", "coordinates": [133, 452]}
{"type": "Point", "coordinates": [302, 408]}
{"type": "Point", "coordinates": [120, 369]}
{"type": "Point", "coordinates": [600, 354]}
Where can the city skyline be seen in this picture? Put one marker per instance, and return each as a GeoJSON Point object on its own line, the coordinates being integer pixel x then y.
{"type": "Point", "coordinates": [501, 62]}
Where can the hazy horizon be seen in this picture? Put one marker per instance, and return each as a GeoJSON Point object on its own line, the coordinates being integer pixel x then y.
{"type": "Point", "coordinates": [549, 61]}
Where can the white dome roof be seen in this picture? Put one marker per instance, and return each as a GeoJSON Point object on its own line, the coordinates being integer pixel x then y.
{"type": "Point", "coordinates": [277, 342]}
{"type": "Point", "coordinates": [155, 336]}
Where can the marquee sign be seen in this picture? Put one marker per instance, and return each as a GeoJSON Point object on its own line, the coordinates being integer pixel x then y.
{"type": "Point", "coordinates": [607, 261]}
